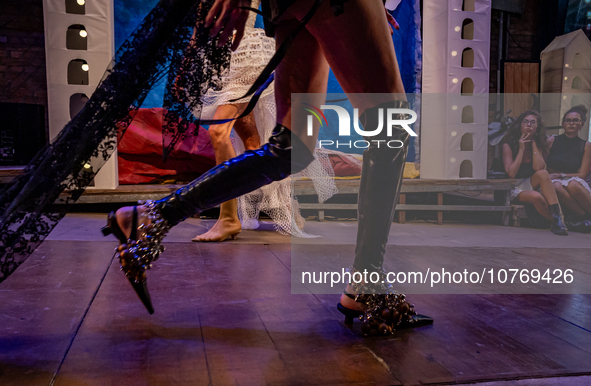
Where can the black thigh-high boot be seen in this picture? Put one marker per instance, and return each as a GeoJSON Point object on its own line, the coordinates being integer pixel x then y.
{"type": "Point", "coordinates": [381, 179]}
{"type": "Point", "coordinates": [283, 155]}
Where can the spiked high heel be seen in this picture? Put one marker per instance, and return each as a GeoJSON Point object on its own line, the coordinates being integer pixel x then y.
{"type": "Point", "coordinates": [349, 313]}
{"type": "Point", "coordinates": [113, 228]}
{"type": "Point", "coordinates": [386, 320]}
{"type": "Point", "coordinates": [137, 252]}
{"type": "Point", "coordinates": [386, 310]}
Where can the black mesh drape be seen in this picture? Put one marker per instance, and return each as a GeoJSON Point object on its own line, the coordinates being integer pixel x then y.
{"type": "Point", "coordinates": [162, 46]}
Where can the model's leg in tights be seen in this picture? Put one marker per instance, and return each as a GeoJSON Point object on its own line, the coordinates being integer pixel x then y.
{"type": "Point", "coordinates": [347, 42]}
{"type": "Point", "coordinates": [228, 224]}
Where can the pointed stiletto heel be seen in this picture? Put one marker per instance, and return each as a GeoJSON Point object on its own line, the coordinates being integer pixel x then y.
{"type": "Point", "coordinates": [138, 281]}
{"type": "Point", "coordinates": [137, 252]}
{"type": "Point", "coordinates": [349, 313]}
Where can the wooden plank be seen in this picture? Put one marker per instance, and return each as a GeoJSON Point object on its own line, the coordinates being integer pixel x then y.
{"type": "Point", "coordinates": [524, 86]}
{"type": "Point", "coordinates": [8, 173]}
{"type": "Point", "coordinates": [473, 208]}
{"type": "Point", "coordinates": [439, 213]}
{"type": "Point", "coordinates": [132, 193]}
{"type": "Point", "coordinates": [451, 188]}
{"type": "Point", "coordinates": [401, 213]}
{"type": "Point", "coordinates": [42, 304]}
{"type": "Point", "coordinates": [413, 186]}
{"type": "Point", "coordinates": [534, 76]}
{"type": "Point", "coordinates": [507, 202]}
{"type": "Point", "coordinates": [509, 78]}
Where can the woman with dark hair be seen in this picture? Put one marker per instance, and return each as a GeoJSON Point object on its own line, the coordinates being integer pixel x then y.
{"type": "Point", "coordinates": [524, 149]}
{"type": "Point", "coordinates": [569, 161]}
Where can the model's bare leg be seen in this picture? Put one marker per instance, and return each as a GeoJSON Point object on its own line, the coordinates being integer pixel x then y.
{"type": "Point", "coordinates": [228, 223]}
{"type": "Point", "coordinates": [246, 129]}
{"type": "Point", "coordinates": [303, 70]}
{"type": "Point", "coordinates": [358, 49]}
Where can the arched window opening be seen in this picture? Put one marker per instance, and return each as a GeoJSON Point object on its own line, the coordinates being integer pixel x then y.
{"type": "Point", "coordinates": [468, 29]}
{"type": "Point", "coordinates": [76, 37]}
{"type": "Point", "coordinates": [576, 83]}
{"type": "Point", "coordinates": [468, 5]}
{"type": "Point", "coordinates": [77, 102]}
{"type": "Point", "coordinates": [467, 86]}
{"type": "Point", "coordinates": [78, 72]}
{"type": "Point", "coordinates": [77, 7]}
{"type": "Point", "coordinates": [466, 169]}
{"type": "Point", "coordinates": [468, 57]}
{"type": "Point", "coordinates": [466, 143]}
{"type": "Point", "coordinates": [468, 114]}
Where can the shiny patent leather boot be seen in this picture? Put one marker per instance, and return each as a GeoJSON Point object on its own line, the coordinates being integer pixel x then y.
{"type": "Point", "coordinates": [379, 189]}
{"type": "Point", "coordinates": [381, 179]}
{"type": "Point", "coordinates": [282, 156]}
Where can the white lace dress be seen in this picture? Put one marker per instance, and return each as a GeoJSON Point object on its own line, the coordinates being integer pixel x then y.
{"type": "Point", "coordinates": [276, 199]}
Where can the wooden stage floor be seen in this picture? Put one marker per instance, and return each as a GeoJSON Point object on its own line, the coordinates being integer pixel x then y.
{"type": "Point", "coordinates": [225, 315]}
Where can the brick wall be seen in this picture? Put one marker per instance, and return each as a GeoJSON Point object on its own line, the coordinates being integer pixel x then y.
{"type": "Point", "coordinates": [22, 53]}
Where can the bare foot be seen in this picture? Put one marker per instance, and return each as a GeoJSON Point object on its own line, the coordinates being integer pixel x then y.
{"type": "Point", "coordinates": [349, 303]}
{"type": "Point", "coordinates": [228, 225]}
{"type": "Point", "coordinates": [222, 229]}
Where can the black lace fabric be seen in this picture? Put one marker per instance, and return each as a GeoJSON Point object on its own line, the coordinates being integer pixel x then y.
{"type": "Point", "coordinates": [171, 42]}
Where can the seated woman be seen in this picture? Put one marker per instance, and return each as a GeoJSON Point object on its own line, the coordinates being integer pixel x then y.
{"type": "Point", "coordinates": [569, 161]}
{"type": "Point", "coordinates": [524, 147]}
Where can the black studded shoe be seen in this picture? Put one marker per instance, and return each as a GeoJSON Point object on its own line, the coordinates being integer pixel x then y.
{"type": "Point", "coordinates": [386, 310]}
{"type": "Point", "coordinates": [283, 155]}
{"type": "Point", "coordinates": [137, 252]}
